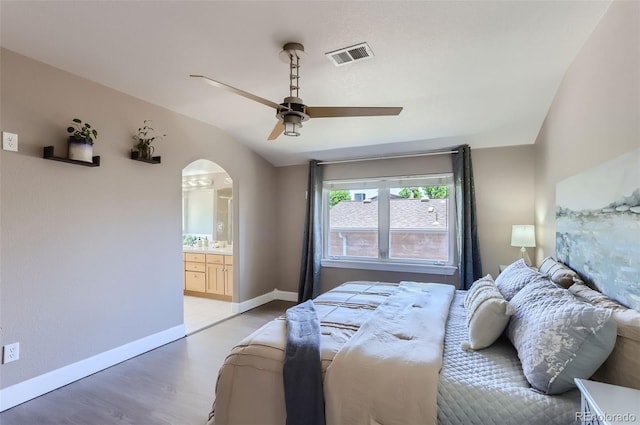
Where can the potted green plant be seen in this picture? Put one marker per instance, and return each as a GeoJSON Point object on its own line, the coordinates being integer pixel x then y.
{"type": "Point", "coordinates": [81, 140]}
{"type": "Point", "coordinates": [144, 139]}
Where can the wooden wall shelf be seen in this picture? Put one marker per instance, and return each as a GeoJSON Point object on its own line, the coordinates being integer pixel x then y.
{"type": "Point", "coordinates": [135, 155]}
{"type": "Point", "coordinates": [48, 154]}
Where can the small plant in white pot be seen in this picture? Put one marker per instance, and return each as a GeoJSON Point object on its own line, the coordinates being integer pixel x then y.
{"type": "Point", "coordinates": [81, 140]}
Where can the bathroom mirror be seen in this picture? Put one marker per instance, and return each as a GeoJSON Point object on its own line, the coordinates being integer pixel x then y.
{"type": "Point", "coordinates": [207, 203]}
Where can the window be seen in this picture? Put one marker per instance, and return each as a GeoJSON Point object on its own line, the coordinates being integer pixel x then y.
{"type": "Point", "coordinates": [388, 221]}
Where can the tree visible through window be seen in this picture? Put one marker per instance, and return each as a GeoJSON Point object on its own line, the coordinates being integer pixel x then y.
{"type": "Point", "coordinates": [335, 196]}
{"type": "Point", "coordinates": [432, 192]}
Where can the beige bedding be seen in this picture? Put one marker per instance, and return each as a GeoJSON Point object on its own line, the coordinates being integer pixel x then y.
{"type": "Point", "coordinates": [388, 372]}
{"type": "Point", "coordinates": [250, 387]}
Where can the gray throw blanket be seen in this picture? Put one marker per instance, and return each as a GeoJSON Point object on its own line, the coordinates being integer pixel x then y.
{"type": "Point", "coordinates": [302, 370]}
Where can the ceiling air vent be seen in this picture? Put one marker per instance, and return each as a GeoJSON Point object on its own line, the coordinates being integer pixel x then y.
{"type": "Point", "coordinates": [350, 54]}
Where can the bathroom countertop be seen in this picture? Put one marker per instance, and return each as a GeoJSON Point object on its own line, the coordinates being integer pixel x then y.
{"type": "Point", "coordinates": [209, 250]}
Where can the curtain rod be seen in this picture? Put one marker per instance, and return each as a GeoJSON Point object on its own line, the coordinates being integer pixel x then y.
{"type": "Point", "coordinates": [411, 155]}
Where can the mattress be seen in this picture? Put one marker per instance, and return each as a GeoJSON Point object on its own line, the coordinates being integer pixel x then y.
{"type": "Point", "coordinates": [487, 387]}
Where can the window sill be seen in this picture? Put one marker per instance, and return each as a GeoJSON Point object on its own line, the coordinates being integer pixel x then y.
{"type": "Point", "coordinates": [390, 267]}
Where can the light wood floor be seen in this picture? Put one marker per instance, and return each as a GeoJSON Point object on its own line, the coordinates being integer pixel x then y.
{"type": "Point", "coordinates": [171, 385]}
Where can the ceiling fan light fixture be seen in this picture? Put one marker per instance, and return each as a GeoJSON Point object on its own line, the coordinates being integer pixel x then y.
{"type": "Point", "coordinates": [292, 123]}
{"type": "Point", "coordinates": [292, 112]}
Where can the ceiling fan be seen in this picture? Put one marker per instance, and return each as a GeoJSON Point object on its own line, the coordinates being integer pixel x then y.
{"type": "Point", "coordinates": [292, 112]}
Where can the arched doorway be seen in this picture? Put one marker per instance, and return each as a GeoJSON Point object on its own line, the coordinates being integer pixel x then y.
{"type": "Point", "coordinates": [207, 242]}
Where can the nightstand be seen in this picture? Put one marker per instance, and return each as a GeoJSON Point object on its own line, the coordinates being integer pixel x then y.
{"type": "Point", "coordinates": [605, 404]}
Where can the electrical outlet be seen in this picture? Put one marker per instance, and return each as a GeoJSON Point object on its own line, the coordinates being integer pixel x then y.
{"type": "Point", "coordinates": [9, 141]}
{"type": "Point", "coordinates": [11, 352]}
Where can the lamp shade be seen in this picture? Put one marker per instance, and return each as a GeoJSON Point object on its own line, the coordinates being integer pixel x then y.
{"type": "Point", "coordinates": [523, 235]}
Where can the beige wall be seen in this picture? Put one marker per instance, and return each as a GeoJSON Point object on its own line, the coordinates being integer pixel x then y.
{"type": "Point", "coordinates": [595, 115]}
{"type": "Point", "coordinates": [91, 257]}
{"type": "Point", "coordinates": [504, 192]}
{"type": "Point", "coordinates": [504, 182]}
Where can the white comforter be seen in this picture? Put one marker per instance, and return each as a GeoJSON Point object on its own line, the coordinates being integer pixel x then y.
{"type": "Point", "coordinates": [388, 372]}
{"type": "Point", "coordinates": [250, 386]}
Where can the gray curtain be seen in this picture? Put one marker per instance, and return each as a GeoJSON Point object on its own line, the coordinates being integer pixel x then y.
{"type": "Point", "coordinates": [309, 286]}
{"type": "Point", "coordinates": [469, 267]}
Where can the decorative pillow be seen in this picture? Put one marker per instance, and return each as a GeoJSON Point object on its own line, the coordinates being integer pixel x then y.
{"type": "Point", "coordinates": [476, 286]}
{"type": "Point", "coordinates": [599, 299]}
{"type": "Point", "coordinates": [487, 313]}
{"type": "Point", "coordinates": [622, 367]}
{"type": "Point", "coordinates": [559, 273]}
{"type": "Point", "coordinates": [558, 337]}
{"type": "Point", "coordinates": [515, 277]}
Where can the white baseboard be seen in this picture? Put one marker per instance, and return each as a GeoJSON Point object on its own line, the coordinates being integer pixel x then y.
{"type": "Point", "coordinates": [276, 294]}
{"type": "Point", "coordinates": [286, 295]}
{"type": "Point", "coordinates": [35, 387]}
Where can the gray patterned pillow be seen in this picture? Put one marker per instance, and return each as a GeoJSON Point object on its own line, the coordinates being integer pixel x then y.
{"type": "Point", "coordinates": [622, 367]}
{"type": "Point", "coordinates": [558, 337]}
{"type": "Point", "coordinates": [515, 277]}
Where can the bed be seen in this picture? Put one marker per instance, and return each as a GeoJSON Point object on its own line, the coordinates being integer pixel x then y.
{"type": "Point", "coordinates": [496, 384]}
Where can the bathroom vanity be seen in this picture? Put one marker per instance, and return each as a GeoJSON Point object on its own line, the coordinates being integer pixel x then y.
{"type": "Point", "coordinates": [208, 272]}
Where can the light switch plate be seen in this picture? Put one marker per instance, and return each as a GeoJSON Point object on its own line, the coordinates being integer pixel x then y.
{"type": "Point", "coordinates": [9, 141]}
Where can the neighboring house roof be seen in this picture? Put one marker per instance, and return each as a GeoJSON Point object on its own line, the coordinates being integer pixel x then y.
{"type": "Point", "coordinates": [405, 214]}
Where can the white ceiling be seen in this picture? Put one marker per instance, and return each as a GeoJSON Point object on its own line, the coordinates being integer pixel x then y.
{"type": "Point", "coordinates": [476, 72]}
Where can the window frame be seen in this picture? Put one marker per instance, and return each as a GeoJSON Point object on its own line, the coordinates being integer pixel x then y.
{"type": "Point", "coordinates": [382, 262]}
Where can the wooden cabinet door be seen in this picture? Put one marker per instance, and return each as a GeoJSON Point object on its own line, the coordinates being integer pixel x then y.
{"type": "Point", "coordinates": [215, 279]}
{"type": "Point", "coordinates": [228, 280]}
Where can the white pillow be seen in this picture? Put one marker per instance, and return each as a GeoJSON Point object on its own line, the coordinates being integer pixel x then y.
{"type": "Point", "coordinates": [488, 313]}
{"type": "Point", "coordinates": [475, 288]}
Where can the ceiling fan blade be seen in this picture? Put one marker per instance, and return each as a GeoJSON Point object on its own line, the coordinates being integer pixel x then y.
{"type": "Point", "coordinates": [241, 92]}
{"type": "Point", "coordinates": [350, 111]}
{"type": "Point", "coordinates": [277, 131]}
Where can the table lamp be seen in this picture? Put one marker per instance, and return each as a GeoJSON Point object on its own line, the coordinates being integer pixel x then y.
{"type": "Point", "coordinates": [523, 235]}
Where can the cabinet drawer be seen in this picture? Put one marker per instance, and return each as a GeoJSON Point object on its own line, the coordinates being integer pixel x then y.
{"type": "Point", "coordinates": [194, 267]}
{"type": "Point", "coordinates": [228, 259]}
{"type": "Point", "coordinates": [215, 259]}
{"type": "Point", "coordinates": [194, 281]}
{"type": "Point", "coordinates": [196, 258]}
